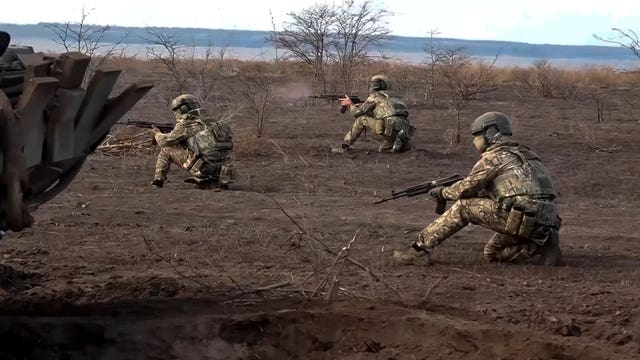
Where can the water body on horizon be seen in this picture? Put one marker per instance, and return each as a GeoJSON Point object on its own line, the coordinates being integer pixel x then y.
{"type": "Point", "coordinates": [268, 53]}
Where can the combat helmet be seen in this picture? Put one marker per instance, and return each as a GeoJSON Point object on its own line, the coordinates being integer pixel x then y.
{"type": "Point", "coordinates": [184, 103]}
{"type": "Point", "coordinates": [379, 82]}
{"type": "Point", "coordinates": [494, 119]}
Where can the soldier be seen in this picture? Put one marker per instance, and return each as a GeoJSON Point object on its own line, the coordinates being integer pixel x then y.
{"type": "Point", "coordinates": [198, 143]}
{"type": "Point", "coordinates": [508, 191]}
{"type": "Point", "coordinates": [384, 114]}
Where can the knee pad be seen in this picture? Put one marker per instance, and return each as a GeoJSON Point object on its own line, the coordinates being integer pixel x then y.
{"type": "Point", "coordinates": [227, 173]}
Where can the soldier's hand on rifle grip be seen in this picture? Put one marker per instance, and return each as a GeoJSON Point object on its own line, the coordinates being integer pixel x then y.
{"type": "Point", "coordinates": [346, 101]}
{"type": "Point", "coordinates": [436, 192]}
{"type": "Point", "coordinates": [155, 129]}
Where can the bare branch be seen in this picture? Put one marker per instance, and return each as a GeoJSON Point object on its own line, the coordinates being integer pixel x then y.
{"type": "Point", "coordinates": [626, 38]}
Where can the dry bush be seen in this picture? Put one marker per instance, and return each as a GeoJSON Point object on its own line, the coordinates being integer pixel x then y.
{"type": "Point", "coordinates": [551, 82]}
{"type": "Point", "coordinates": [247, 145]}
{"type": "Point", "coordinates": [255, 85]}
{"type": "Point", "coordinates": [602, 76]}
{"type": "Point", "coordinates": [407, 80]}
{"type": "Point", "coordinates": [467, 77]}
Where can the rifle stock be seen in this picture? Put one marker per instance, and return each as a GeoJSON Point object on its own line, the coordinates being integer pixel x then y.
{"type": "Point", "coordinates": [424, 188]}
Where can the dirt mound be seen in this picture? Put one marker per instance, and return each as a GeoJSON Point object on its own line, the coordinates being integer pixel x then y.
{"type": "Point", "coordinates": [14, 280]}
{"type": "Point", "coordinates": [284, 329]}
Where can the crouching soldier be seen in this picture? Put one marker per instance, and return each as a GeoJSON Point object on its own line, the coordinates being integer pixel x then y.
{"type": "Point", "coordinates": [198, 143]}
{"type": "Point", "coordinates": [383, 114]}
{"type": "Point", "coordinates": [509, 191]}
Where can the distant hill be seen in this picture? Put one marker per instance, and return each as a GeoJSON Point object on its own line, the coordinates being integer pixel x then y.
{"type": "Point", "coordinates": [409, 48]}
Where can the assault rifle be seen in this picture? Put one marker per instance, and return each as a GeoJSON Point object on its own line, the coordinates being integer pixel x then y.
{"type": "Point", "coordinates": [164, 127]}
{"type": "Point", "coordinates": [354, 99]}
{"type": "Point", "coordinates": [424, 188]}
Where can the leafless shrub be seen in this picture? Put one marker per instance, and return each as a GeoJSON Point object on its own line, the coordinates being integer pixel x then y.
{"type": "Point", "coordinates": [452, 138]}
{"type": "Point", "coordinates": [190, 72]}
{"type": "Point", "coordinates": [334, 39]}
{"type": "Point", "coordinates": [87, 39]}
{"type": "Point", "coordinates": [436, 56]}
{"type": "Point", "coordinates": [551, 82]}
{"type": "Point", "coordinates": [249, 146]}
{"type": "Point", "coordinates": [466, 76]}
{"type": "Point", "coordinates": [598, 98]}
{"type": "Point", "coordinates": [307, 37]}
{"type": "Point", "coordinates": [465, 79]}
{"type": "Point", "coordinates": [256, 81]}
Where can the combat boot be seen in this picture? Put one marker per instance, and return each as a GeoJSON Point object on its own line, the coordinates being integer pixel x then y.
{"type": "Point", "coordinates": [157, 184]}
{"type": "Point", "coordinates": [412, 255]}
{"type": "Point", "coordinates": [340, 150]}
{"type": "Point", "coordinates": [550, 252]}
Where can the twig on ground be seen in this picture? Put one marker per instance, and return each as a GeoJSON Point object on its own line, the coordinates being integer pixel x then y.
{"type": "Point", "coordinates": [461, 270]}
{"type": "Point", "coordinates": [269, 287]}
{"type": "Point", "coordinates": [343, 253]}
{"type": "Point", "coordinates": [328, 250]}
{"type": "Point", "coordinates": [149, 244]}
{"type": "Point", "coordinates": [332, 288]}
{"type": "Point", "coordinates": [433, 286]}
{"type": "Point", "coordinates": [236, 284]}
{"type": "Point", "coordinates": [611, 149]}
{"type": "Point", "coordinates": [349, 292]}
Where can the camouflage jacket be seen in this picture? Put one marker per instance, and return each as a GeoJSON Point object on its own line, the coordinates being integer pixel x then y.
{"type": "Point", "coordinates": [381, 105]}
{"type": "Point", "coordinates": [201, 134]}
{"type": "Point", "coordinates": [185, 128]}
{"type": "Point", "coordinates": [506, 169]}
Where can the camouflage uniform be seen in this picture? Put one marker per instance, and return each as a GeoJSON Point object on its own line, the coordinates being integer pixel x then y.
{"type": "Point", "coordinates": [511, 176]}
{"type": "Point", "coordinates": [385, 115]}
{"type": "Point", "coordinates": [509, 191]}
{"type": "Point", "coordinates": [199, 144]}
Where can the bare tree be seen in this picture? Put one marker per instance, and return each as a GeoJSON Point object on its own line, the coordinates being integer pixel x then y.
{"type": "Point", "coordinates": [467, 76]}
{"type": "Point", "coordinates": [307, 36]}
{"type": "Point", "coordinates": [359, 27]}
{"type": "Point", "coordinates": [626, 38]}
{"type": "Point", "coordinates": [197, 73]}
{"type": "Point", "coordinates": [205, 72]}
{"type": "Point", "coordinates": [436, 56]}
{"type": "Point", "coordinates": [167, 49]}
{"type": "Point", "coordinates": [543, 78]}
{"type": "Point", "coordinates": [255, 87]}
{"type": "Point", "coordinates": [87, 39]}
{"type": "Point", "coordinates": [465, 79]}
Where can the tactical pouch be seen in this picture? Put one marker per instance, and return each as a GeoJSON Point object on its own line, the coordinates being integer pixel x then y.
{"type": "Point", "coordinates": [227, 173]}
{"type": "Point", "coordinates": [389, 126]}
{"type": "Point", "coordinates": [191, 161]}
{"type": "Point", "coordinates": [528, 224]}
{"type": "Point", "coordinates": [378, 126]}
{"type": "Point", "coordinates": [514, 219]}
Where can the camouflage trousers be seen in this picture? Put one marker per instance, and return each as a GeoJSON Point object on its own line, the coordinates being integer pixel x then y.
{"type": "Point", "coordinates": [393, 134]}
{"type": "Point", "coordinates": [486, 213]}
{"type": "Point", "coordinates": [221, 170]}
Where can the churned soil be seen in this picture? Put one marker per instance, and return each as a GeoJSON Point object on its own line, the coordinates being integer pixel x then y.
{"type": "Point", "coordinates": [114, 269]}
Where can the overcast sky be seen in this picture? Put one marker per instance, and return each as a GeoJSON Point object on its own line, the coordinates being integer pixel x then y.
{"type": "Point", "coordinates": [539, 21]}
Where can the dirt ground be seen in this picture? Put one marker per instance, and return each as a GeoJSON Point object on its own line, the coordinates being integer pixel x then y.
{"type": "Point", "coordinates": [114, 269]}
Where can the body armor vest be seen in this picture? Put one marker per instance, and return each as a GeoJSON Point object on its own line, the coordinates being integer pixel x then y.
{"type": "Point", "coordinates": [523, 174]}
{"type": "Point", "coordinates": [388, 105]}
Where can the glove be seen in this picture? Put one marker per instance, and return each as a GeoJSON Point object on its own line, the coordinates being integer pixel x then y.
{"type": "Point", "coordinates": [436, 192]}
